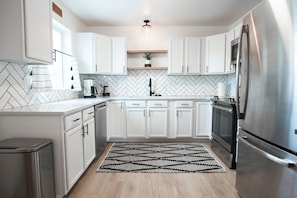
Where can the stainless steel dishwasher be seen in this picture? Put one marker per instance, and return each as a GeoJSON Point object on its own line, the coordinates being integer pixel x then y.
{"type": "Point", "coordinates": [100, 125]}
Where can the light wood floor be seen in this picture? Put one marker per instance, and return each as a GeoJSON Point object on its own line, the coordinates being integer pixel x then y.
{"type": "Point", "coordinates": [154, 185]}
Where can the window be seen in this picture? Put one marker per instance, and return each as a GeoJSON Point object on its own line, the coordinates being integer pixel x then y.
{"type": "Point", "coordinates": [60, 71]}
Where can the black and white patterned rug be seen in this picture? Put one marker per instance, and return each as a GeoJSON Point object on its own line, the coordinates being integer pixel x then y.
{"type": "Point", "coordinates": [159, 158]}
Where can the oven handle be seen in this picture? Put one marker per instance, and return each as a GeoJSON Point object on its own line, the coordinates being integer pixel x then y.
{"type": "Point", "coordinates": [229, 110]}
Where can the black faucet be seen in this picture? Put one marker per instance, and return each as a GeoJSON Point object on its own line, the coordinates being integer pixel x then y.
{"type": "Point", "coordinates": [150, 85]}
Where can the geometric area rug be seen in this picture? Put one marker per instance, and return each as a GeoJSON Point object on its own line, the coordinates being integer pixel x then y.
{"type": "Point", "coordinates": [159, 158]}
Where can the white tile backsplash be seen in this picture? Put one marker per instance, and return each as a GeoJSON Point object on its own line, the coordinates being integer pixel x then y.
{"type": "Point", "coordinates": [136, 83]}
{"type": "Point", "coordinates": [15, 93]}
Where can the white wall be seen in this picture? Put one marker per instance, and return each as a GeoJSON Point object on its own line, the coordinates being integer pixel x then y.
{"type": "Point", "coordinates": [158, 37]}
{"type": "Point", "coordinates": [70, 21]}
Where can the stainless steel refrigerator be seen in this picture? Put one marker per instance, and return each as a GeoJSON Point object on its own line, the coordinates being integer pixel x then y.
{"type": "Point", "coordinates": [267, 101]}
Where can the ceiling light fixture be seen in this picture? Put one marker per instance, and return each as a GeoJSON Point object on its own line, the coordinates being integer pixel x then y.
{"type": "Point", "coordinates": [146, 27]}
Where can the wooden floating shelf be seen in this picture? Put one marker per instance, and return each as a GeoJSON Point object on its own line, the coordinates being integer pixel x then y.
{"type": "Point", "coordinates": [144, 51]}
{"type": "Point", "coordinates": [147, 68]}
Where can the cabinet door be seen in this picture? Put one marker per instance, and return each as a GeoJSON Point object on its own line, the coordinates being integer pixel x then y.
{"type": "Point", "coordinates": [237, 30]}
{"type": "Point", "coordinates": [119, 56]}
{"type": "Point", "coordinates": [229, 38]}
{"type": "Point", "coordinates": [176, 56]}
{"type": "Point", "coordinates": [89, 142]}
{"type": "Point", "coordinates": [215, 54]}
{"type": "Point", "coordinates": [184, 122]}
{"type": "Point", "coordinates": [74, 155]}
{"type": "Point", "coordinates": [203, 119]}
{"type": "Point", "coordinates": [86, 51]}
{"type": "Point", "coordinates": [116, 127]}
{"type": "Point", "coordinates": [192, 55]}
{"type": "Point", "coordinates": [103, 54]}
{"type": "Point", "coordinates": [157, 122]}
{"type": "Point", "coordinates": [136, 122]}
{"type": "Point", "coordinates": [38, 30]}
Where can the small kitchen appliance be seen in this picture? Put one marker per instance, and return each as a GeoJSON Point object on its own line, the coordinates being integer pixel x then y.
{"type": "Point", "coordinates": [90, 91]}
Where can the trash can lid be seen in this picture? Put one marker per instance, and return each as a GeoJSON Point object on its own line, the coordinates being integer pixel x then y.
{"type": "Point", "coordinates": [23, 144]}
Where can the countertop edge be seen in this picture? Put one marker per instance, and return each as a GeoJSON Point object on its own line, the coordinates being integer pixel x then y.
{"type": "Point", "coordinates": [66, 107]}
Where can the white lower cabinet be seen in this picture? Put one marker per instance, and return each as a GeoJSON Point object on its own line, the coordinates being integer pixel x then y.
{"type": "Point", "coordinates": [89, 142]}
{"type": "Point", "coordinates": [74, 155]}
{"type": "Point", "coordinates": [157, 119]}
{"type": "Point", "coordinates": [136, 122]}
{"type": "Point", "coordinates": [203, 119]}
{"type": "Point", "coordinates": [184, 118]}
{"type": "Point", "coordinates": [79, 144]}
{"type": "Point", "coordinates": [116, 120]}
{"type": "Point", "coordinates": [136, 118]}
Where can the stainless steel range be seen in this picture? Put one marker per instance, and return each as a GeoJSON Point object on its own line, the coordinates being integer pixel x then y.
{"type": "Point", "coordinates": [224, 130]}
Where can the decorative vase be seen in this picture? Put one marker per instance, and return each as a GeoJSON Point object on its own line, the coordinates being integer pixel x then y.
{"type": "Point", "coordinates": [147, 63]}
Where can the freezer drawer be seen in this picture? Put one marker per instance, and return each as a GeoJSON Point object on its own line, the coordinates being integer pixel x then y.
{"type": "Point", "coordinates": [264, 170]}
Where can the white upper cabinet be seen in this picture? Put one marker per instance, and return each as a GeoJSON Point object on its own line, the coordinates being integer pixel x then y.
{"type": "Point", "coordinates": [99, 54]}
{"type": "Point", "coordinates": [26, 31]}
{"type": "Point", "coordinates": [184, 56]}
{"type": "Point", "coordinates": [215, 54]}
{"type": "Point", "coordinates": [176, 56]}
{"type": "Point", "coordinates": [192, 55]}
{"type": "Point", "coordinates": [237, 30]}
{"type": "Point", "coordinates": [103, 54]}
{"type": "Point", "coordinates": [119, 56]}
{"type": "Point", "coordinates": [229, 38]}
{"type": "Point", "coordinates": [86, 55]}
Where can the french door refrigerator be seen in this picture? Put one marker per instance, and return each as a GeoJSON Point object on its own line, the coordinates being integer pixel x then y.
{"type": "Point", "coordinates": [267, 101]}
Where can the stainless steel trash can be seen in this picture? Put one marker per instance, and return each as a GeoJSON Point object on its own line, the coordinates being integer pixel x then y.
{"type": "Point", "coordinates": [26, 168]}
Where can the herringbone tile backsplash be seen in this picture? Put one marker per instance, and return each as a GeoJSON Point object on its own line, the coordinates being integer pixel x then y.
{"type": "Point", "coordinates": [136, 84]}
{"type": "Point", "coordinates": [15, 91]}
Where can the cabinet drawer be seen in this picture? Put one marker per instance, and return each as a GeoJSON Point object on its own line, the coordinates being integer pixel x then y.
{"type": "Point", "coordinates": [184, 104]}
{"type": "Point", "coordinates": [88, 113]}
{"type": "Point", "coordinates": [156, 104]}
{"type": "Point", "coordinates": [72, 121]}
{"type": "Point", "coordinates": [135, 103]}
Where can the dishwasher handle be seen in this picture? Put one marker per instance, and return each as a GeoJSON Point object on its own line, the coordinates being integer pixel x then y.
{"type": "Point", "coordinates": [100, 106]}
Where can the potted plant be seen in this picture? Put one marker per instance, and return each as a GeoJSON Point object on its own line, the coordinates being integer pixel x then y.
{"type": "Point", "coordinates": [147, 59]}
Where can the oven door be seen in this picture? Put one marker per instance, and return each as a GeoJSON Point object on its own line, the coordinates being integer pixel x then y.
{"type": "Point", "coordinates": [224, 126]}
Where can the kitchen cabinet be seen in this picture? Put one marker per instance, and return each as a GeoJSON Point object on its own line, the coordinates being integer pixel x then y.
{"type": "Point", "coordinates": [116, 120]}
{"type": "Point", "coordinates": [184, 118]}
{"type": "Point", "coordinates": [100, 54]}
{"type": "Point", "coordinates": [203, 119]}
{"type": "Point", "coordinates": [89, 136]}
{"type": "Point", "coordinates": [184, 56]}
{"type": "Point", "coordinates": [94, 53]}
{"type": "Point", "coordinates": [79, 143]}
{"type": "Point", "coordinates": [136, 118]}
{"type": "Point", "coordinates": [103, 54]}
{"type": "Point", "coordinates": [26, 31]}
{"type": "Point", "coordinates": [215, 54]}
{"type": "Point", "coordinates": [230, 36]}
{"type": "Point", "coordinates": [157, 119]}
{"type": "Point", "coordinates": [74, 155]}
{"type": "Point", "coordinates": [237, 30]}
{"type": "Point", "coordinates": [119, 56]}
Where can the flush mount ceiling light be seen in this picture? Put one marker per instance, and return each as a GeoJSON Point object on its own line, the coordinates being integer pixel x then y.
{"type": "Point", "coordinates": [146, 27]}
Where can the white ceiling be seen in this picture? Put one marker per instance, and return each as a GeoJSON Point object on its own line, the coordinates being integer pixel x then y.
{"type": "Point", "coordinates": [160, 12]}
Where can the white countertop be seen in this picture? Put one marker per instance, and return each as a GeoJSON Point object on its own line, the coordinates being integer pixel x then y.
{"type": "Point", "coordinates": [73, 105]}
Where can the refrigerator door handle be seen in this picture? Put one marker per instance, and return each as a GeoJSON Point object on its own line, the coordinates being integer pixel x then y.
{"type": "Point", "coordinates": [244, 30]}
{"type": "Point", "coordinates": [283, 162]}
